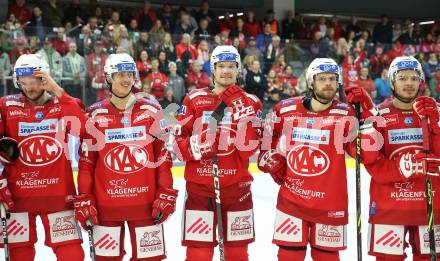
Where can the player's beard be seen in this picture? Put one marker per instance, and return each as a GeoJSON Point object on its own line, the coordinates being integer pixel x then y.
{"type": "Point", "coordinates": [36, 98]}
{"type": "Point", "coordinates": [325, 96]}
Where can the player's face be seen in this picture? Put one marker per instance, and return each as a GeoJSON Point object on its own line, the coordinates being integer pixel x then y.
{"type": "Point", "coordinates": [325, 86]}
{"type": "Point", "coordinates": [122, 83]}
{"type": "Point", "coordinates": [407, 83]}
{"type": "Point", "coordinates": [225, 73]}
{"type": "Point", "coordinates": [31, 86]}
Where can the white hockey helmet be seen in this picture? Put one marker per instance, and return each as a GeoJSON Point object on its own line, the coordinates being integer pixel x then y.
{"type": "Point", "coordinates": [25, 66]}
{"type": "Point", "coordinates": [119, 62]}
{"type": "Point", "coordinates": [224, 53]}
{"type": "Point", "coordinates": [322, 65]}
{"type": "Point", "coordinates": [404, 63]}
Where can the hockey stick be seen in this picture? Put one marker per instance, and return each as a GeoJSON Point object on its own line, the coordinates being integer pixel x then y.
{"type": "Point", "coordinates": [358, 185]}
{"type": "Point", "coordinates": [4, 231]}
{"type": "Point", "coordinates": [215, 118]}
{"type": "Point", "coordinates": [91, 240]}
{"type": "Point", "coordinates": [432, 252]}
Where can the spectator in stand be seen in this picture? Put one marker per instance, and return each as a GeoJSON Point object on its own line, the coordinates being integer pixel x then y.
{"type": "Point", "coordinates": [167, 17]}
{"type": "Point", "coordinates": [94, 25]}
{"type": "Point", "coordinates": [341, 50]}
{"type": "Point", "coordinates": [146, 86]}
{"type": "Point", "coordinates": [34, 44]}
{"type": "Point", "coordinates": [144, 44]}
{"type": "Point", "coordinates": [255, 81]}
{"type": "Point", "coordinates": [203, 32]}
{"type": "Point", "coordinates": [95, 72]}
{"type": "Point", "coordinates": [264, 38]}
{"type": "Point", "coordinates": [397, 31]}
{"type": "Point", "coordinates": [396, 50]}
{"type": "Point", "coordinates": [5, 70]}
{"type": "Point", "coordinates": [337, 27]}
{"type": "Point", "coordinates": [289, 26]}
{"type": "Point", "coordinates": [251, 49]}
{"type": "Point", "coordinates": [224, 35]}
{"type": "Point", "coordinates": [418, 34]}
{"type": "Point", "coordinates": [163, 62]}
{"type": "Point", "coordinates": [289, 81]}
{"type": "Point", "coordinates": [379, 61]}
{"type": "Point", "coordinates": [383, 87]}
{"type": "Point", "coordinates": [351, 39]}
{"type": "Point", "coordinates": [226, 23]}
{"type": "Point", "coordinates": [320, 45]}
{"type": "Point", "coordinates": [409, 37]}
{"type": "Point", "coordinates": [19, 49]}
{"type": "Point", "coordinates": [125, 41]}
{"type": "Point", "coordinates": [251, 26]}
{"type": "Point", "coordinates": [434, 84]}
{"type": "Point", "coordinates": [427, 45]}
{"type": "Point", "coordinates": [146, 17]}
{"type": "Point", "coordinates": [203, 52]}
{"type": "Point", "coordinates": [20, 10]}
{"type": "Point", "coordinates": [430, 66]}
{"type": "Point", "coordinates": [279, 65]}
{"type": "Point", "coordinates": [184, 26]}
{"type": "Point", "coordinates": [157, 33]}
{"type": "Point", "coordinates": [86, 40]}
{"type": "Point", "coordinates": [302, 87]}
{"type": "Point", "coordinates": [383, 31]}
{"type": "Point", "coordinates": [53, 12]}
{"type": "Point", "coordinates": [74, 66]}
{"type": "Point", "coordinates": [273, 83]}
{"type": "Point", "coordinates": [158, 80]}
{"type": "Point", "coordinates": [59, 43]}
{"type": "Point", "coordinates": [133, 30]}
{"type": "Point", "coordinates": [321, 27]}
{"type": "Point", "coordinates": [98, 13]}
{"type": "Point", "coordinates": [113, 27]}
{"type": "Point", "coordinates": [53, 58]}
{"type": "Point", "coordinates": [238, 32]}
{"type": "Point", "coordinates": [167, 100]}
{"type": "Point", "coordinates": [270, 19]}
{"type": "Point", "coordinates": [197, 77]}
{"type": "Point", "coordinates": [185, 46]}
{"type": "Point", "coordinates": [168, 46]}
{"type": "Point", "coordinates": [272, 51]}
{"type": "Point", "coordinates": [39, 25]}
{"type": "Point", "coordinates": [74, 13]}
{"type": "Point", "coordinates": [238, 45]}
{"type": "Point", "coordinates": [366, 82]}
{"type": "Point", "coordinates": [361, 46]}
{"type": "Point", "coordinates": [205, 13]}
{"type": "Point", "coordinates": [353, 26]}
{"type": "Point", "coordinates": [143, 65]}
{"type": "Point", "coordinates": [176, 83]}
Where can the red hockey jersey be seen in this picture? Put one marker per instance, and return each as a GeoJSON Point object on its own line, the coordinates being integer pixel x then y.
{"type": "Point", "coordinates": [235, 146]}
{"type": "Point", "coordinates": [314, 145]}
{"type": "Point", "coordinates": [395, 199]}
{"type": "Point", "coordinates": [123, 159]}
{"type": "Point", "coordinates": [41, 179]}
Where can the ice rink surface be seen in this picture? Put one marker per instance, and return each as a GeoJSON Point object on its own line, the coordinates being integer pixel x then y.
{"type": "Point", "coordinates": [264, 195]}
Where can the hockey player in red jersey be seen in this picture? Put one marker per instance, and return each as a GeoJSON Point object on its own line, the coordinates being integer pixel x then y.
{"type": "Point", "coordinates": [40, 180]}
{"type": "Point", "coordinates": [303, 148]}
{"type": "Point", "coordinates": [125, 169]}
{"type": "Point", "coordinates": [397, 188]}
{"type": "Point", "coordinates": [234, 141]}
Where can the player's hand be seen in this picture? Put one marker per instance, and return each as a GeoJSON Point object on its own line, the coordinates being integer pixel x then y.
{"type": "Point", "coordinates": [360, 95]}
{"type": "Point", "coordinates": [235, 98]}
{"type": "Point", "coordinates": [416, 165]}
{"type": "Point", "coordinates": [427, 107]}
{"type": "Point", "coordinates": [8, 150]}
{"type": "Point", "coordinates": [273, 163]}
{"type": "Point", "coordinates": [48, 83]}
{"type": "Point", "coordinates": [5, 194]}
{"type": "Point", "coordinates": [203, 146]}
{"type": "Point", "coordinates": [85, 209]}
{"type": "Point", "coordinates": [164, 205]}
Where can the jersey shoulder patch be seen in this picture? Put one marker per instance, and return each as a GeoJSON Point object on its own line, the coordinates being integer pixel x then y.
{"type": "Point", "coordinates": [14, 100]}
{"type": "Point", "coordinates": [196, 93]}
{"type": "Point", "coordinates": [288, 105]}
{"type": "Point", "coordinates": [97, 108]}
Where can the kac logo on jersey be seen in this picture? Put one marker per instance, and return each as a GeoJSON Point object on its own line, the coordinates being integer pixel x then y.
{"type": "Point", "coordinates": [125, 159]}
{"type": "Point", "coordinates": [39, 150]}
{"type": "Point", "coordinates": [30, 128]}
{"type": "Point", "coordinates": [125, 134]}
{"type": "Point", "coordinates": [39, 115]}
{"type": "Point", "coordinates": [408, 121]}
{"type": "Point", "coordinates": [402, 136]}
{"type": "Point", "coordinates": [306, 160]}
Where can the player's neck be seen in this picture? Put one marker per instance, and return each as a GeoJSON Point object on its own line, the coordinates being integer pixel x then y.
{"type": "Point", "coordinates": [218, 89]}
{"type": "Point", "coordinates": [123, 103]}
{"type": "Point", "coordinates": [316, 106]}
{"type": "Point", "coordinates": [402, 105]}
